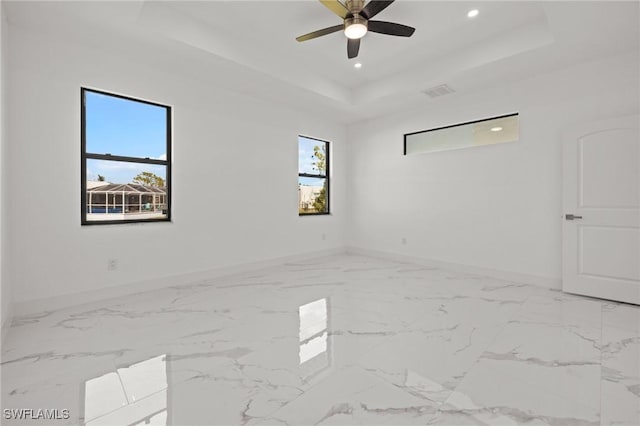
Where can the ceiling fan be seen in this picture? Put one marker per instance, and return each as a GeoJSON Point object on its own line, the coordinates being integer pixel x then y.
{"type": "Point", "coordinates": [357, 21]}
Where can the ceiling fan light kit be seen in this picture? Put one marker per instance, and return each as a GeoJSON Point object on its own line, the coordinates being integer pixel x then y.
{"type": "Point", "coordinates": [357, 22]}
{"type": "Point", "coordinates": [355, 27]}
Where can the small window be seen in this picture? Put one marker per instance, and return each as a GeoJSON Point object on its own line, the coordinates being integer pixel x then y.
{"type": "Point", "coordinates": [313, 176]}
{"type": "Point", "coordinates": [488, 131]}
{"type": "Point", "coordinates": [126, 159]}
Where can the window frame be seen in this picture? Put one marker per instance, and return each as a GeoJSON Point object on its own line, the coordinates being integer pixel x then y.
{"type": "Point", "coordinates": [84, 156]}
{"type": "Point", "coordinates": [466, 123]}
{"type": "Point", "coordinates": [320, 176]}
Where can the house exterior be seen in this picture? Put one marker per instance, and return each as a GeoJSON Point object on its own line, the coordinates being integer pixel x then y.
{"type": "Point", "coordinates": [307, 195]}
{"type": "Point", "coordinates": [104, 199]}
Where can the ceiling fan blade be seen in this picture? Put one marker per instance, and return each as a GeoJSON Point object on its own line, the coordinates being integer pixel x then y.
{"type": "Point", "coordinates": [390, 28]}
{"type": "Point", "coordinates": [336, 7]}
{"type": "Point", "coordinates": [374, 7]}
{"type": "Point", "coordinates": [320, 33]}
{"type": "Point", "coordinates": [353, 47]}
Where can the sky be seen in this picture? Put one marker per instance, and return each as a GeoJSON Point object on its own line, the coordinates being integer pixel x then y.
{"type": "Point", "coordinates": [306, 160]}
{"type": "Point", "coordinates": [123, 127]}
{"type": "Point", "coordinates": [135, 129]}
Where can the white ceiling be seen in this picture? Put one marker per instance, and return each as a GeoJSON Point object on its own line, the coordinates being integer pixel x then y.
{"type": "Point", "coordinates": [251, 44]}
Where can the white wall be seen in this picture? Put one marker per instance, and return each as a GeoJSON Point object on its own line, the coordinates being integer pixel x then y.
{"type": "Point", "coordinates": [225, 146]}
{"type": "Point", "coordinates": [5, 289]}
{"type": "Point", "coordinates": [493, 207]}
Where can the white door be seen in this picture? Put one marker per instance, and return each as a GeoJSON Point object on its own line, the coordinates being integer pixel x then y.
{"type": "Point", "coordinates": [601, 226]}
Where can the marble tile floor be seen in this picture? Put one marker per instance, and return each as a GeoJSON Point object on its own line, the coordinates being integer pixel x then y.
{"type": "Point", "coordinates": [339, 340]}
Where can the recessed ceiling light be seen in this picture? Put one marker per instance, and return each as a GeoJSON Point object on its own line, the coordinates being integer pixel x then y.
{"type": "Point", "coordinates": [473, 13]}
{"type": "Point", "coordinates": [357, 65]}
{"type": "Point", "coordinates": [496, 129]}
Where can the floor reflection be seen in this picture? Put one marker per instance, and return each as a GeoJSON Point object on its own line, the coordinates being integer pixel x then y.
{"type": "Point", "coordinates": [129, 396]}
{"type": "Point", "coordinates": [314, 346]}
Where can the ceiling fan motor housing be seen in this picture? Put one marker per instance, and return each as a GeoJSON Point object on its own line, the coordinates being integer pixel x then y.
{"type": "Point", "coordinates": [355, 6]}
{"type": "Point", "coordinates": [356, 19]}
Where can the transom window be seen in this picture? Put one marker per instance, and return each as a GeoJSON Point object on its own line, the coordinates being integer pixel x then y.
{"type": "Point", "coordinates": [126, 159]}
{"type": "Point", "coordinates": [313, 176]}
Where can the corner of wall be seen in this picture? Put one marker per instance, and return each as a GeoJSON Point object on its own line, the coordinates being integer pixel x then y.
{"type": "Point", "coordinates": [5, 293]}
{"type": "Point", "coordinates": [516, 277]}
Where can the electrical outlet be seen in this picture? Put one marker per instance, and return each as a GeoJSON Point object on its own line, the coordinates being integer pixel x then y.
{"type": "Point", "coordinates": [324, 237]}
{"type": "Point", "coordinates": [112, 264]}
{"type": "Point", "coordinates": [404, 241]}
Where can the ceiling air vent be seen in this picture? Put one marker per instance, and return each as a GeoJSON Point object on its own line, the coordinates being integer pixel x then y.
{"type": "Point", "coordinates": [438, 91]}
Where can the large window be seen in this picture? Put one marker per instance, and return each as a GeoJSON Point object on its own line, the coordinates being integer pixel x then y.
{"type": "Point", "coordinates": [313, 176]}
{"type": "Point", "coordinates": [126, 159]}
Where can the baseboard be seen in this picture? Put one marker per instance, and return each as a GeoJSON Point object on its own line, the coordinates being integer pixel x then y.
{"type": "Point", "coordinates": [68, 300]}
{"type": "Point", "coordinates": [64, 301]}
{"type": "Point", "coordinates": [538, 281]}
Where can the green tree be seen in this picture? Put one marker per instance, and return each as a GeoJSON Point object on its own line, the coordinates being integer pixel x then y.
{"type": "Point", "coordinates": [320, 164]}
{"type": "Point", "coordinates": [149, 179]}
{"type": "Point", "coordinates": [100, 178]}
{"type": "Point", "coordinates": [320, 202]}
